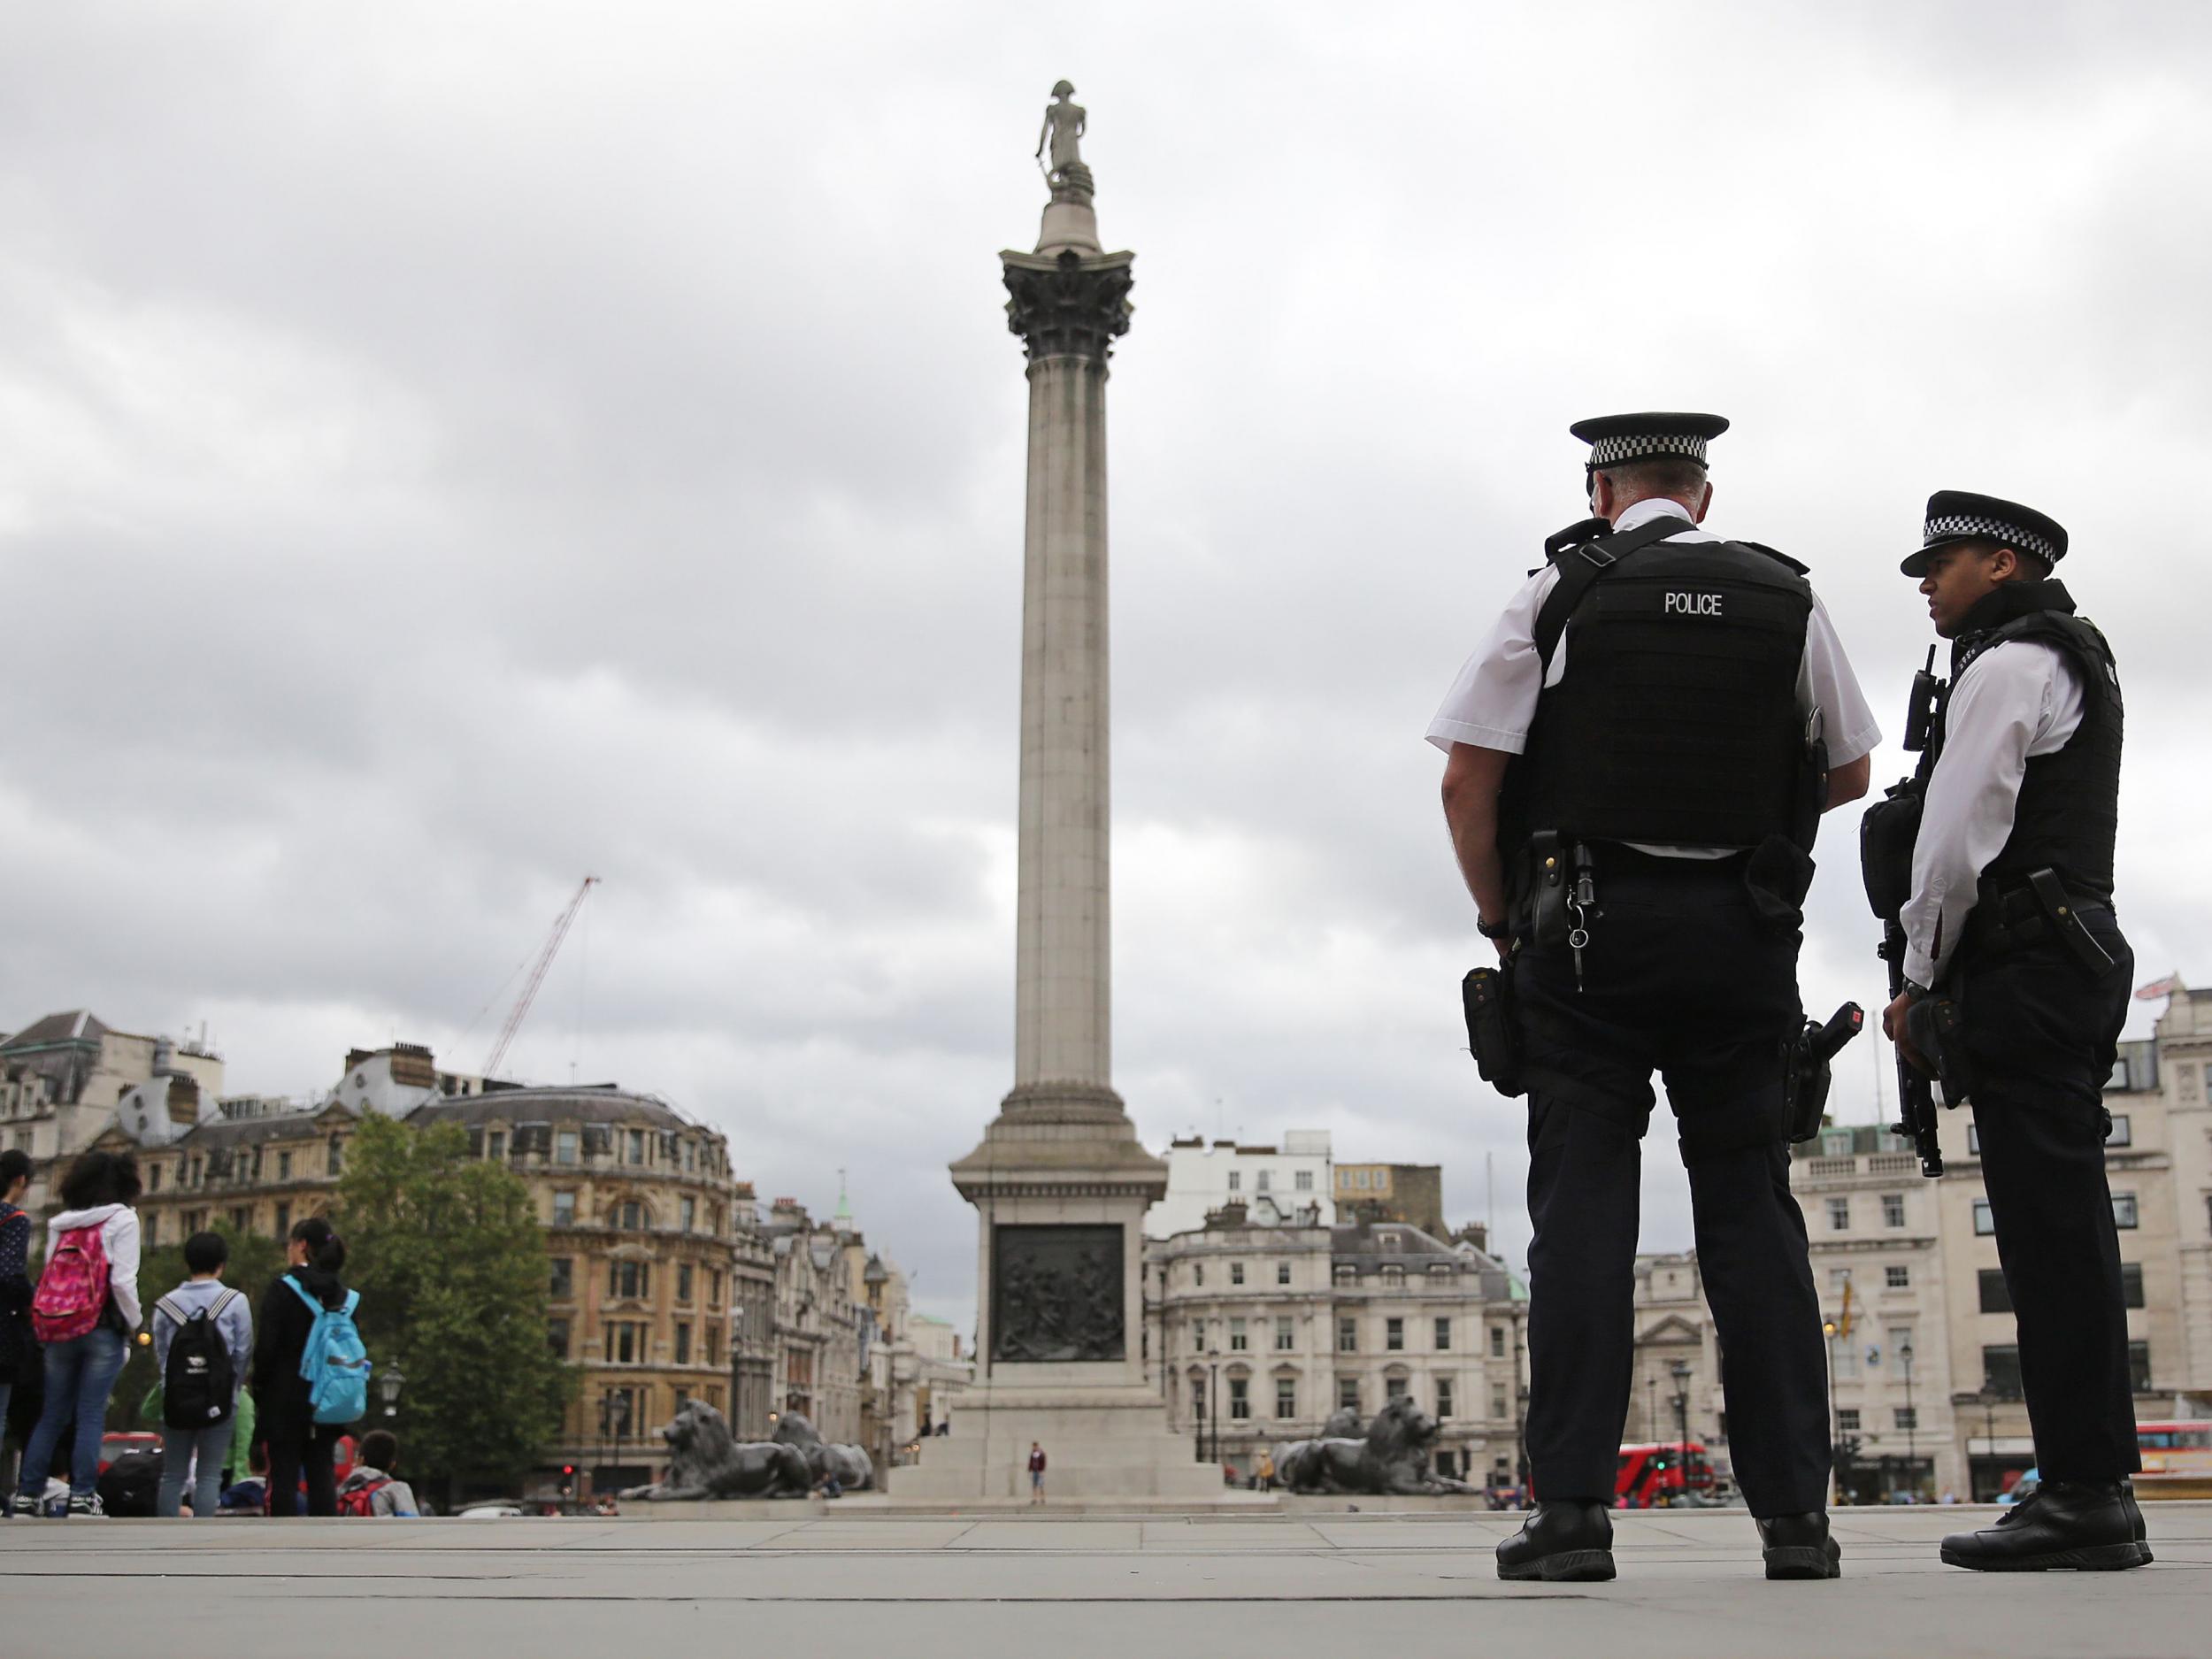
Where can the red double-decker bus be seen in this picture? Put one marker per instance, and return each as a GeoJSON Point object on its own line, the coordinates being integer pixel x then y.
{"type": "Point", "coordinates": [1650, 1475]}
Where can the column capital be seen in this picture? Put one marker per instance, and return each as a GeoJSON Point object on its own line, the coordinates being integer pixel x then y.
{"type": "Point", "coordinates": [1067, 305]}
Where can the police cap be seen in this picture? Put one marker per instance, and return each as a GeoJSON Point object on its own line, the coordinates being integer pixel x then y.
{"type": "Point", "coordinates": [1960, 515]}
{"type": "Point", "coordinates": [1616, 440]}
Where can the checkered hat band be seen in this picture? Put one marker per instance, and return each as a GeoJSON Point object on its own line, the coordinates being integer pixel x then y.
{"type": "Point", "coordinates": [1613, 451]}
{"type": "Point", "coordinates": [2012, 535]}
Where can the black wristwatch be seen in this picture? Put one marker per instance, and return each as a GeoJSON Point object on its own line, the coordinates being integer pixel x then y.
{"type": "Point", "coordinates": [1915, 989]}
{"type": "Point", "coordinates": [1501, 930]}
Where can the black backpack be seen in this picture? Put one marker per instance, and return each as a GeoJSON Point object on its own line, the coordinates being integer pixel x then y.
{"type": "Point", "coordinates": [200, 1386]}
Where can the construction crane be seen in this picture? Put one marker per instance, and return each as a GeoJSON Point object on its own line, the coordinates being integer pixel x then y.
{"type": "Point", "coordinates": [521, 1010]}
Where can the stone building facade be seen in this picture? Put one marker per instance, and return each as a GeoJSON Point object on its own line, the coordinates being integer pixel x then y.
{"type": "Point", "coordinates": [1256, 1332]}
{"type": "Point", "coordinates": [1288, 1176]}
{"type": "Point", "coordinates": [815, 1332]}
{"type": "Point", "coordinates": [1411, 1192]}
{"type": "Point", "coordinates": [67, 1077]}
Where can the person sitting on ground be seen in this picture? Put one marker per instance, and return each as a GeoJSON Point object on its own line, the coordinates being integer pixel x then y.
{"type": "Point", "coordinates": [373, 1490]}
{"type": "Point", "coordinates": [198, 1425]}
{"type": "Point", "coordinates": [249, 1493]}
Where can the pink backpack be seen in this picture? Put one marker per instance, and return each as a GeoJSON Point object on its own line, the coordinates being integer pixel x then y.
{"type": "Point", "coordinates": [73, 1291]}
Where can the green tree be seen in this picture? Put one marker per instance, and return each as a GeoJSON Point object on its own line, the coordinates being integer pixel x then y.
{"type": "Point", "coordinates": [450, 1262]}
{"type": "Point", "coordinates": [254, 1261]}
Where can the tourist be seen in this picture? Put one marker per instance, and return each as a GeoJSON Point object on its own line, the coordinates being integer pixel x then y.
{"type": "Point", "coordinates": [15, 1347]}
{"type": "Point", "coordinates": [298, 1444]}
{"type": "Point", "coordinates": [373, 1490]}
{"type": "Point", "coordinates": [202, 1363]}
{"type": "Point", "coordinates": [1036, 1472]}
{"type": "Point", "coordinates": [86, 1309]}
{"type": "Point", "coordinates": [1266, 1472]}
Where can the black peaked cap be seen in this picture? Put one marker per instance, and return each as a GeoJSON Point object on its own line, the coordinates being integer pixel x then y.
{"type": "Point", "coordinates": [1960, 515]}
{"type": "Point", "coordinates": [1616, 440]}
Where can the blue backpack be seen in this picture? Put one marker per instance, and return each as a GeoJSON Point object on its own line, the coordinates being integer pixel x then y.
{"type": "Point", "coordinates": [333, 1364]}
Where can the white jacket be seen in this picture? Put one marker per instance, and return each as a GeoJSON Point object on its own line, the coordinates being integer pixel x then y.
{"type": "Point", "coordinates": [118, 1238]}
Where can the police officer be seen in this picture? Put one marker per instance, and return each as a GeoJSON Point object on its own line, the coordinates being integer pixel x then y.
{"type": "Point", "coordinates": [2010, 921]}
{"type": "Point", "coordinates": [1635, 773]}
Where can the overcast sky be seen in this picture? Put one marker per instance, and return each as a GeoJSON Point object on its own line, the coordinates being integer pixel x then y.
{"type": "Point", "coordinates": [447, 449]}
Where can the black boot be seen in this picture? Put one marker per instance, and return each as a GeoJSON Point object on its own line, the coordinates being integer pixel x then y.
{"type": "Point", "coordinates": [2135, 1515]}
{"type": "Point", "coordinates": [1798, 1547]}
{"type": "Point", "coordinates": [2086, 1525]}
{"type": "Point", "coordinates": [1562, 1541]}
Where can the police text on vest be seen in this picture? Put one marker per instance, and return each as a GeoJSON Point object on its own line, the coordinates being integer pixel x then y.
{"type": "Point", "coordinates": [1693, 604]}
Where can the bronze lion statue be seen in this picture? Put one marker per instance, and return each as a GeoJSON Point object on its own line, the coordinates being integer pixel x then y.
{"type": "Point", "coordinates": [705, 1460]}
{"type": "Point", "coordinates": [854, 1470]}
{"type": "Point", "coordinates": [1391, 1460]}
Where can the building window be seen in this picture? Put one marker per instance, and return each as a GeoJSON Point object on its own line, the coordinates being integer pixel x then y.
{"type": "Point", "coordinates": [683, 1343]}
{"type": "Point", "coordinates": [563, 1209]}
{"type": "Point", "coordinates": [1393, 1388]}
{"type": "Point", "coordinates": [714, 1287]}
{"type": "Point", "coordinates": [1443, 1399]}
{"type": "Point", "coordinates": [2123, 1210]}
{"type": "Point", "coordinates": [637, 1146]}
{"type": "Point", "coordinates": [2121, 1134]}
{"type": "Point", "coordinates": [1896, 1278]}
{"type": "Point", "coordinates": [153, 1227]}
{"type": "Point", "coordinates": [2132, 1283]}
{"type": "Point", "coordinates": [1838, 1215]}
{"type": "Point", "coordinates": [1892, 1210]}
{"type": "Point", "coordinates": [629, 1349]}
{"type": "Point", "coordinates": [1236, 1336]}
{"type": "Point", "coordinates": [1263, 1182]}
{"type": "Point", "coordinates": [1347, 1393]}
{"type": "Point", "coordinates": [683, 1281]}
{"type": "Point", "coordinates": [1359, 1180]}
{"type": "Point", "coordinates": [1974, 1140]}
{"type": "Point", "coordinates": [1443, 1335]}
{"type": "Point", "coordinates": [1837, 1278]}
{"type": "Point", "coordinates": [631, 1216]}
{"type": "Point", "coordinates": [1395, 1335]}
{"type": "Point", "coordinates": [557, 1337]}
{"type": "Point", "coordinates": [714, 1342]}
{"type": "Point", "coordinates": [1848, 1420]}
{"type": "Point", "coordinates": [1236, 1180]}
{"type": "Point", "coordinates": [1985, 1222]}
{"type": "Point", "coordinates": [1282, 1272]}
{"type": "Point", "coordinates": [1198, 1336]}
{"type": "Point", "coordinates": [565, 1146]}
{"type": "Point", "coordinates": [1995, 1297]}
{"type": "Point", "coordinates": [562, 1287]}
{"type": "Point", "coordinates": [284, 1166]}
{"type": "Point", "coordinates": [153, 1178]}
{"type": "Point", "coordinates": [1284, 1336]}
{"type": "Point", "coordinates": [2139, 1367]}
{"type": "Point", "coordinates": [1303, 1181]}
{"type": "Point", "coordinates": [1285, 1398]}
{"type": "Point", "coordinates": [1239, 1398]}
{"type": "Point", "coordinates": [1198, 1273]}
{"type": "Point", "coordinates": [687, 1212]}
{"type": "Point", "coordinates": [1236, 1272]}
{"type": "Point", "coordinates": [629, 1279]}
{"type": "Point", "coordinates": [1347, 1334]}
{"type": "Point", "coordinates": [1907, 1416]}
{"type": "Point", "coordinates": [1347, 1274]}
{"type": "Point", "coordinates": [334, 1155]}
{"type": "Point", "coordinates": [2000, 1371]}
{"type": "Point", "coordinates": [496, 1144]}
{"type": "Point", "coordinates": [1497, 1341]}
{"type": "Point", "coordinates": [1393, 1273]}
{"type": "Point", "coordinates": [240, 1219]}
{"type": "Point", "coordinates": [1497, 1405]}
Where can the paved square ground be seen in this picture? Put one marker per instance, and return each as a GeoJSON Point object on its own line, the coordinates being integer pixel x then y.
{"type": "Point", "coordinates": [1152, 1587]}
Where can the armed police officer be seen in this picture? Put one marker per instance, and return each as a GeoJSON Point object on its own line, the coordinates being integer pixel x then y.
{"type": "Point", "coordinates": [1638, 756]}
{"type": "Point", "coordinates": [2016, 985]}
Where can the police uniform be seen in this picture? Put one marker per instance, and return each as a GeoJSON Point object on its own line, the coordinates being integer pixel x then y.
{"type": "Point", "coordinates": [2010, 918]}
{"type": "Point", "coordinates": [1664, 739]}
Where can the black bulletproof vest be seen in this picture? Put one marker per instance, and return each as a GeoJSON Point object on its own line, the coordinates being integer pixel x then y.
{"type": "Point", "coordinates": [2068, 815]}
{"type": "Point", "coordinates": [1676, 720]}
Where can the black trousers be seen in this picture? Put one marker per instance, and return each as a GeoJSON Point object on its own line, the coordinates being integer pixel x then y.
{"type": "Point", "coordinates": [294, 1452]}
{"type": "Point", "coordinates": [2042, 1036]}
{"type": "Point", "coordinates": [1685, 974]}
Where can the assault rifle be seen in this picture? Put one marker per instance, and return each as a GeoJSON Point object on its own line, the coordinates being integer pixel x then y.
{"type": "Point", "coordinates": [1886, 834]}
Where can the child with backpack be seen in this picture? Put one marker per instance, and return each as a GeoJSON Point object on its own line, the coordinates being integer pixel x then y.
{"type": "Point", "coordinates": [310, 1376]}
{"type": "Point", "coordinates": [373, 1490]}
{"type": "Point", "coordinates": [85, 1311]}
{"type": "Point", "coordinates": [202, 1340]}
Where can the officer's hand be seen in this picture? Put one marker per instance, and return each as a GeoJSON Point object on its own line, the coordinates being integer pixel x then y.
{"type": "Point", "coordinates": [1894, 1028]}
{"type": "Point", "coordinates": [1505, 948]}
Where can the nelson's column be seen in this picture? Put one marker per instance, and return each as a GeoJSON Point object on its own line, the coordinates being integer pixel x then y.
{"type": "Point", "coordinates": [1060, 1181]}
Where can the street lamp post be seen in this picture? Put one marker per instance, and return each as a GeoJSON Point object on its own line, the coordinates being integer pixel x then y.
{"type": "Point", "coordinates": [1912, 1462]}
{"type": "Point", "coordinates": [389, 1381]}
{"type": "Point", "coordinates": [1213, 1391]}
{"type": "Point", "coordinates": [1835, 1420]}
{"type": "Point", "coordinates": [1681, 1370]}
{"type": "Point", "coordinates": [1989, 1427]}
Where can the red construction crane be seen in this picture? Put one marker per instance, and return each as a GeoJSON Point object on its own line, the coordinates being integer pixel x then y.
{"type": "Point", "coordinates": [521, 1010]}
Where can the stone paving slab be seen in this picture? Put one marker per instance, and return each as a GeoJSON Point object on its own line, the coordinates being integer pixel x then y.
{"type": "Point", "coordinates": [1415, 1585]}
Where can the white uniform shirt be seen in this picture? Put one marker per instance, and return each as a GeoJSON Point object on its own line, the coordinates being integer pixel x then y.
{"type": "Point", "coordinates": [1492, 703]}
{"type": "Point", "coordinates": [2015, 701]}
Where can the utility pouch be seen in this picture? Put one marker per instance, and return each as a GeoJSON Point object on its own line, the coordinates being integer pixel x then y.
{"type": "Point", "coordinates": [1486, 997]}
{"type": "Point", "coordinates": [1547, 888]}
{"type": "Point", "coordinates": [1933, 1027]}
{"type": "Point", "coordinates": [1886, 832]}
